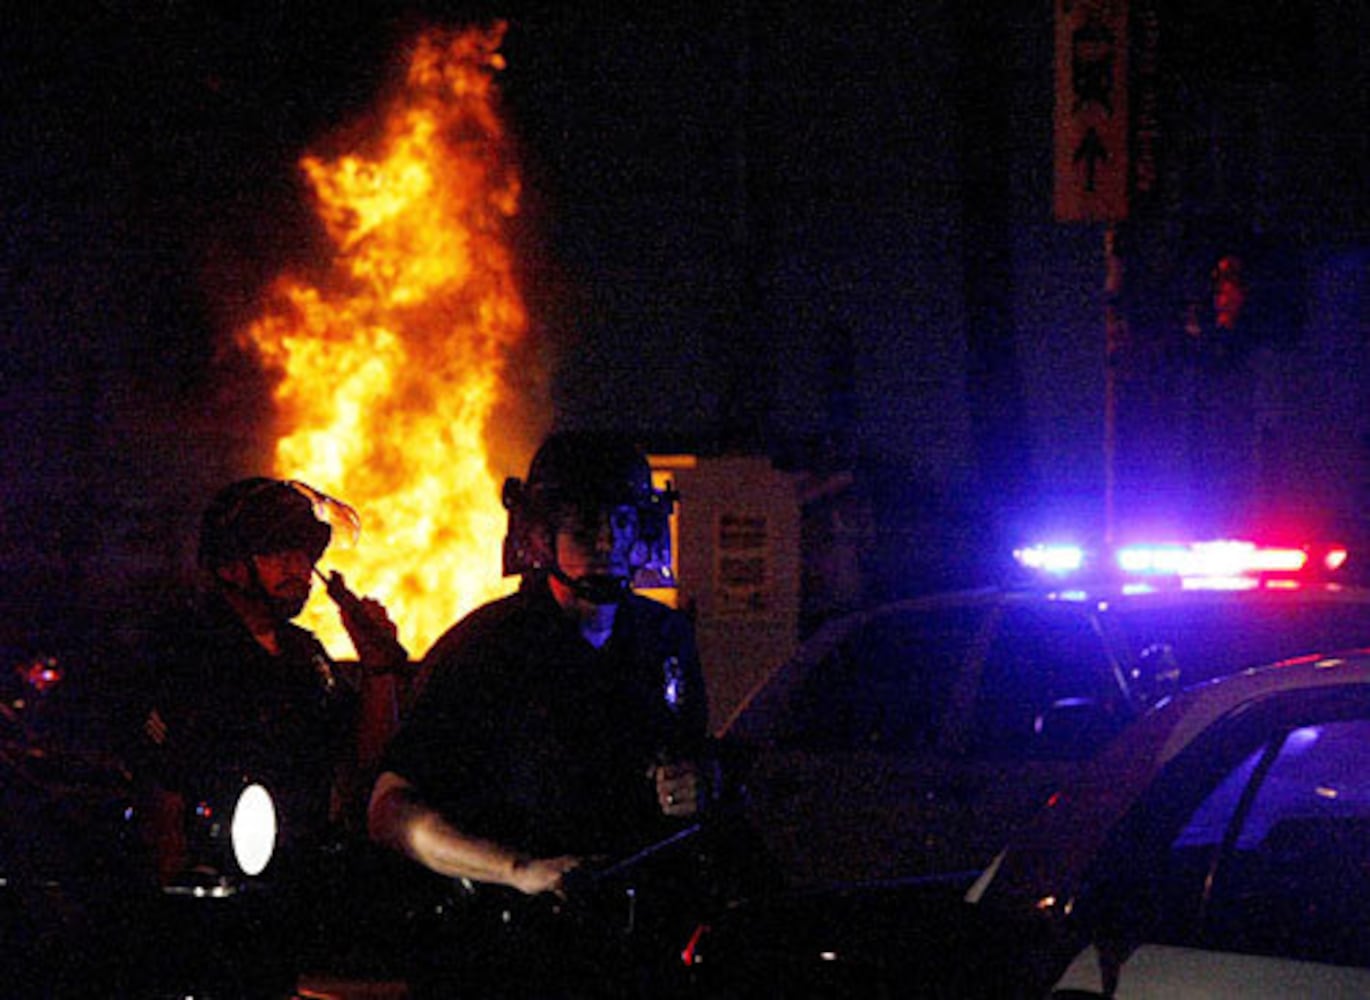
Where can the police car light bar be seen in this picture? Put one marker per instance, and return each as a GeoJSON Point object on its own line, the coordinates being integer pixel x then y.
{"type": "Point", "coordinates": [1225, 559]}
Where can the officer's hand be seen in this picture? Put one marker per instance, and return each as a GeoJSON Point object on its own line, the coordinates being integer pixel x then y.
{"type": "Point", "coordinates": [532, 876]}
{"type": "Point", "coordinates": [374, 636]}
{"type": "Point", "coordinates": [679, 787]}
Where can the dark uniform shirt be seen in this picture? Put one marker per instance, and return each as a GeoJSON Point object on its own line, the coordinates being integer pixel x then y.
{"type": "Point", "coordinates": [527, 735]}
{"type": "Point", "coordinates": [234, 712]}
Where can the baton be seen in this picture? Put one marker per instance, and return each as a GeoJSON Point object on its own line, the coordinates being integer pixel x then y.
{"type": "Point", "coordinates": [651, 850]}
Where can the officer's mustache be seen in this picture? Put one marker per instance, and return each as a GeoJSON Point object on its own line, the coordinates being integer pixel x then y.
{"type": "Point", "coordinates": [289, 598]}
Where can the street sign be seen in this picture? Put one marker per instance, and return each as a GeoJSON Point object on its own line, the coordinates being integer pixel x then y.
{"type": "Point", "coordinates": [1091, 112]}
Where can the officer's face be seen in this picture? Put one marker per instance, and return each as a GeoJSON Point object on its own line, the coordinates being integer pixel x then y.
{"type": "Point", "coordinates": [286, 578]}
{"type": "Point", "coordinates": [597, 541]}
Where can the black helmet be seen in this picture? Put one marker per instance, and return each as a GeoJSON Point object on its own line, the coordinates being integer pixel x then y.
{"type": "Point", "coordinates": [588, 469]}
{"type": "Point", "coordinates": [580, 470]}
{"type": "Point", "coordinates": [258, 516]}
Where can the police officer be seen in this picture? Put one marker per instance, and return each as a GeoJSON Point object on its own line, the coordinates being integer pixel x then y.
{"type": "Point", "coordinates": [557, 729]}
{"type": "Point", "coordinates": [242, 693]}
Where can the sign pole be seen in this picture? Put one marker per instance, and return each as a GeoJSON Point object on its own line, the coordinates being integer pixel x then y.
{"type": "Point", "coordinates": [1091, 170]}
{"type": "Point", "coordinates": [1114, 334]}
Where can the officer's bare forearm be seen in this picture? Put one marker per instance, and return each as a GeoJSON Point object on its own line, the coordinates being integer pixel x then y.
{"type": "Point", "coordinates": [399, 819]}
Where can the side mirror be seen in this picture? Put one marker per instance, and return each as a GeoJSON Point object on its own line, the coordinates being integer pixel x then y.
{"type": "Point", "coordinates": [1072, 729]}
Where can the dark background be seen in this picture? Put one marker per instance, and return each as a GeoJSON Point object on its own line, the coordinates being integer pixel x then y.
{"type": "Point", "coordinates": [819, 233]}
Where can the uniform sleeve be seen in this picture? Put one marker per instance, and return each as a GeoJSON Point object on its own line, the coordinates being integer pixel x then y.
{"type": "Point", "coordinates": [173, 739]}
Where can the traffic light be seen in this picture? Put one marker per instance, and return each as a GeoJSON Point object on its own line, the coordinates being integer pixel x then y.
{"type": "Point", "coordinates": [1229, 292]}
{"type": "Point", "coordinates": [1246, 291]}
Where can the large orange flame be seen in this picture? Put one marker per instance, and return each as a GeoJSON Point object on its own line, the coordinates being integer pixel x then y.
{"type": "Point", "coordinates": [391, 366]}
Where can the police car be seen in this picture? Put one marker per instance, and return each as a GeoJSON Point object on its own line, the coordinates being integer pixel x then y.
{"type": "Point", "coordinates": [1222, 847]}
{"type": "Point", "coordinates": [915, 737]}
{"type": "Point", "coordinates": [1219, 847]}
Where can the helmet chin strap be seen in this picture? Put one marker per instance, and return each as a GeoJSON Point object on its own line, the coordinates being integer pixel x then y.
{"type": "Point", "coordinates": [597, 588]}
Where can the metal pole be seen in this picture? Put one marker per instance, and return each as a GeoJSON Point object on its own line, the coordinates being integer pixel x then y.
{"type": "Point", "coordinates": [1114, 334]}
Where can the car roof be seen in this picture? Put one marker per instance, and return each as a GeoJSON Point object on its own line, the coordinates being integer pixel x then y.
{"type": "Point", "coordinates": [1115, 596]}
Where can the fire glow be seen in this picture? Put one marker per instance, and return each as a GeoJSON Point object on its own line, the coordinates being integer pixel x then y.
{"type": "Point", "coordinates": [392, 366]}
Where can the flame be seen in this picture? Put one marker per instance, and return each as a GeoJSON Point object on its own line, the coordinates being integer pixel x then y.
{"type": "Point", "coordinates": [392, 366]}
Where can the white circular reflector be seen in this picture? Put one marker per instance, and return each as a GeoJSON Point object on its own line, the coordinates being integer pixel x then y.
{"type": "Point", "coordinates": [253, 830]}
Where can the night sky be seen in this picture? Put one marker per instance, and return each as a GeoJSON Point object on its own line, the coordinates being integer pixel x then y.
{"type": "Point", "coordinates": [754, 222]}
{"type": "Point", "coordinates": [151, 188]}
{"type": "Point", "coordinates": [673, 165]}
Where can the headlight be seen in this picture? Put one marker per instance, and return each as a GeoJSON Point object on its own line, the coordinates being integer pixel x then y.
{"type": "Point", "coordinates": [252, 831]}
{"type": "Point", "coordinates": [230, 840]}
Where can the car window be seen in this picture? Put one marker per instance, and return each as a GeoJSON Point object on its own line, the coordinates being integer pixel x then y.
{"type": "Point", "coordinates": [885, 686]}
{"type": "Point", "coordinates": [1293, 880]}
{"type": "Point", "coordinates": [1297, 880]}
{"type": "Point", "coordinates": [1220, 634]}
{"type": "Point", "coordinates": [1047, 687]}
{"type": "Point", "coordinates": [1254, 840]}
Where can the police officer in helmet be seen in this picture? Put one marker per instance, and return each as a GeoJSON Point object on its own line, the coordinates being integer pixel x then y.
{"type": "Point", "coordinates": [557, 728]}
{"type": "Point", "coordinates": [242, 693]}
{"type": "Point", "coordinates": [259, 541]}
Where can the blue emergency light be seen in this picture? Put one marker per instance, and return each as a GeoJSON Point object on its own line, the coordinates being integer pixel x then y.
{"type": "Point", "coordinates": [1055, 559]}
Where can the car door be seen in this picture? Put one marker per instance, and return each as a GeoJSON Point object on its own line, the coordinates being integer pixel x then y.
{"type": "Point", "coordinates": [1262, 891]}
{"type": "Point", "coordinates": [1044, 696]}
{"type": "Point", "coordinates": [844, 782]}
